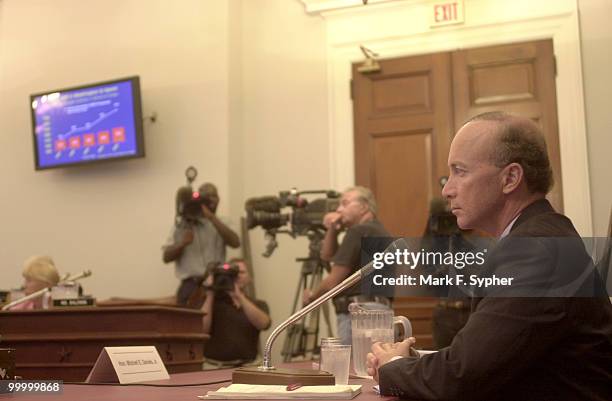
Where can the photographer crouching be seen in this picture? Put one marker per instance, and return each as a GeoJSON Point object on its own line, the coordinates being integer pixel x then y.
{"type": "Point", "coordinates": [232, 319]}
{"type": "Point", "coordinates": [198, 238]}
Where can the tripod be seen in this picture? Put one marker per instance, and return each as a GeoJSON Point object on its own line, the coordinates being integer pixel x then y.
{"type": "Point", "coordinates": [302, 338]}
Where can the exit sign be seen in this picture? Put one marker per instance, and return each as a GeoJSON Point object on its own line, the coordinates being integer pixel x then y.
{"type": "Point", "coordinates": [446, 13]}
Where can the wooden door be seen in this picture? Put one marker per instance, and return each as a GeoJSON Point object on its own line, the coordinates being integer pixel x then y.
{"type": "Point", "coordinates": [517, 78]}
{"type": "Point", "coordinates": [406, 115]}
{"type": "Point", "coordinates": [403, 127]}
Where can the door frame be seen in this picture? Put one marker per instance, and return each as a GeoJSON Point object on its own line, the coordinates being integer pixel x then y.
{"type": "Point", "coordinates": [399, 28]}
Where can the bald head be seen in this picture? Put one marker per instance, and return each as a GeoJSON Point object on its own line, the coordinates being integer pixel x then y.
{"type": "Point", "coordinates": [514, 139]}
{"type": "Point", "coordinates": [498, 165]}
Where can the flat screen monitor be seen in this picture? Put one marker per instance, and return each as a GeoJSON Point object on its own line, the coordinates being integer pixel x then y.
{"type": "Point", "coordinates": [87, 124]}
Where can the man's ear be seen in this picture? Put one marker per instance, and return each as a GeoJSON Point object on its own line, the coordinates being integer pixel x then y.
{"type": "Point", "coordinates": [512, 177]}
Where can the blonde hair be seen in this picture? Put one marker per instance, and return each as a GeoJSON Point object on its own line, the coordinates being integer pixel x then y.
{"type": "Point", "coordinates": [41, 268]}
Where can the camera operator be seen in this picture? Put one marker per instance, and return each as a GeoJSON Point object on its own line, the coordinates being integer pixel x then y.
{"type": "Point", "coordinates": [233, 320]}
{"type": "Point", "coordinates": [356, 213]}
{"type": "Point", "coordinates": [197, 241]}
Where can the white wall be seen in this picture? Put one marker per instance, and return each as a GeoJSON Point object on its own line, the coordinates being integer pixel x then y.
{"type": "Point", "coordinates": [285, 128]}
{"type": "Point", "coordinates": [235, 104]}
{"type": "Point", "coordinates": [596, 38]}
{"type": "Point", "coordinates": [111, 218]}
{"type": "Point", "coordinates": [241, 98]}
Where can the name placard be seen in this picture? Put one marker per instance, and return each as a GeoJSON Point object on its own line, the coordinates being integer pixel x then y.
{"type": "Point", "coordinates": [128, 365]}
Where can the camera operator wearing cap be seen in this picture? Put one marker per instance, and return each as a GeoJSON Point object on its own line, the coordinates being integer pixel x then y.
{"type": "Point", "coordinates": [356, 213]}
{"type": "Point", "coordinates": [232, 318]}
{"type": "Point", "coordinates": [197, 241]}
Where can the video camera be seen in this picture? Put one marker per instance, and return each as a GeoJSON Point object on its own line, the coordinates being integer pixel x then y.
{"type": "Point", "coordinates": [188, 201]}
{"type": "Point", "coordinates": [441, 221]}
{"type": "Point", "coordinates": [306, 217]}
{"type": "Point", "coordinates": [224, 276]}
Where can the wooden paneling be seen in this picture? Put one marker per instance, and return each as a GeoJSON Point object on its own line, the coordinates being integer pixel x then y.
{"type": "Point", "coordinates": [400, 94]}
{"type": "Point", "coordinates": [72, 338]}
{"type": "Point", "coordinates": [502, 84]}
{"type": "Point", "coordinates": [403, 126]}
{"type": "Point", "coordinates": [518, 78]}
{"type": "Point", "coordinates": [395, 158]}
{"type": "Point", "coordinates": [419, 311]}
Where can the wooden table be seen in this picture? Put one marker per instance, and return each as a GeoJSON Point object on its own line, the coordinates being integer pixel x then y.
{"type": "Point", "coordinates": [145, 393]}
{"type": "Point", "coordinates": [64, 343]}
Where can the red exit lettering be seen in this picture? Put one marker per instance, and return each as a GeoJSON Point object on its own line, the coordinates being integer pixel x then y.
{"type": "Point", "coordinates": [445, 12]}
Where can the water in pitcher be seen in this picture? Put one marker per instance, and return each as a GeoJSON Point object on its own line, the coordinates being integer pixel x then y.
{"type": "Point", "coordinates": [362, 344]}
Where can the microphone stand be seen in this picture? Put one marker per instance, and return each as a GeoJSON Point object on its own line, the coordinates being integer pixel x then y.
{"type": "Point", "coordinates": [348, 282]}
{"type": "Point", "coordinates": [268, 374]}
{"type": "Point", "coordinates": [21, 300]}
{"type": "Point", "coordinates": [40, 293]}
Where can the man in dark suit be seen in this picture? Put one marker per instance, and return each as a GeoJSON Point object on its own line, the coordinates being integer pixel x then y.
{"type": "Point", "coordinates": [513, 348]}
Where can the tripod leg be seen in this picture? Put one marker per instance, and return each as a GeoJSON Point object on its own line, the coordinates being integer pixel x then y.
{"type": "Point", "coordinates": [302, 338]}
{"type": "Point", "coordinates": [293, 343]}
{"type": "Point", "coordinates": [325, 309]}
{"type": "Point", "coordinates": [317, 277]}
{"type": "Point", "coordinates": [311, 338]}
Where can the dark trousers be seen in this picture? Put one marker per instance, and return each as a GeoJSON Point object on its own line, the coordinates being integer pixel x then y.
{"type": "Point", "coordinates": [186, 288]}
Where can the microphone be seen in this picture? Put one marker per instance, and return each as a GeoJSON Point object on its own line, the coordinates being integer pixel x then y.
{"type": "Point", "coordinates": [39, 293]}
{"type": "Point", "coordinates": [398, 244]}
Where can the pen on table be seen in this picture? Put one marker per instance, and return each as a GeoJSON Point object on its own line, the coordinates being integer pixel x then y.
{"type": "Point", "coordinates": [293, 386]}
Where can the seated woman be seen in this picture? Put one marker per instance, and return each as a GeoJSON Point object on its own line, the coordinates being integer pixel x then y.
{"type": "Point", "coordinates": [38, 272]}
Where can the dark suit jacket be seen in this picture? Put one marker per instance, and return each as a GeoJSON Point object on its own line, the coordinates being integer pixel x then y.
{"type": "Point", "coordinates": [519, 348]}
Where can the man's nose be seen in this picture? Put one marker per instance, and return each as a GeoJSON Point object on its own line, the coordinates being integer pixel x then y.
{"type": "Point", "coordinates": [448, 190]}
